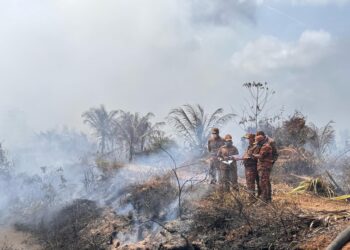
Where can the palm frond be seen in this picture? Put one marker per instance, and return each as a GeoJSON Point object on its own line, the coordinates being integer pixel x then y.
{"type": "Point", "coordinates": [342, 197]}
{"type": "Point", "coordinates": [214, 116]}
{"type": "Point", "coordinates": [184, 117]}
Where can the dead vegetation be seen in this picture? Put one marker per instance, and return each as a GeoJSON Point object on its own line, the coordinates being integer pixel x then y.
{"type": "Point", "coordinates": [7, 246]}
{"type": "Point", "coordinates": [63, 231]}
{"type": "Point", "coordinates": [177, 209]}
{"type": "Point", "coordinates": [150, 198]}
{"type": "Point", "coordinates": [108, 167]}
{"type": "Point", "coordinates": [292, 161]}
{"type": "Point", "coordinates": [234, 222]}
{"type": "Point", "coordinates": [215, 221]}
{"type": "Point", "coordinates": [319, 186]}
{"type": "Point", "coordinates": [150, 201]}
{"type": "Point", "coordinates": [230, 221]}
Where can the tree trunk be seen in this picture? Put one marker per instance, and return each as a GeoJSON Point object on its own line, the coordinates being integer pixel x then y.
{"type": "Point", "coordinates": [103, 144]}
{"type": "Point", "coordinates": [131, 152]}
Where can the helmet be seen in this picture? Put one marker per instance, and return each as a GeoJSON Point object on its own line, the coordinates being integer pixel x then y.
{"type": "Point", "coordinates": [228, 138]}
{"type": "Point", "coordinates": [215, 131]}
{"type": "Point", "coordinates": [260, 133]}
{"type": "Point", "coordinates": [249, 136]}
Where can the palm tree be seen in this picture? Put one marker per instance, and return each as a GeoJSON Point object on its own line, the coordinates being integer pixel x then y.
{"type": "Point", "coordinates": [193, 124]}
{"type": "Point", "coordinates": [5, 164]}
{"type": "Point", "coordinates": [321, 139]}
{"type": "Point", "coordinates": [134, 130]}
{"type": "Point", "coordinates": [101, 121]}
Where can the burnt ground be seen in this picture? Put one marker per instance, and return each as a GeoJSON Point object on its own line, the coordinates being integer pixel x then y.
{"type": "Point", "coordinates": [231, 221]}
{"type": "Point", "coordinates": [292, 221]}
{"type": "Point", "coordinates": [11, 239]}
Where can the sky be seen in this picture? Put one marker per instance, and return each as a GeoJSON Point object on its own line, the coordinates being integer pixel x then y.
{"type": "Point", "coordinates": [58, 58]}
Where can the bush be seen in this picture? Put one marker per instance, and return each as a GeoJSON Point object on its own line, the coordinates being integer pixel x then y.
{"type": "Point", "coordinates": [63, 231]}
{"type": "Point", "coordinates": [232, 221]}
{"type": "Point", "coordinates": [149, 198]}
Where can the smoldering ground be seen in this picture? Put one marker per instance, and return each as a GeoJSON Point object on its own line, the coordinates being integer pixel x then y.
{"type": "Point", "coordinates": [57, 178]}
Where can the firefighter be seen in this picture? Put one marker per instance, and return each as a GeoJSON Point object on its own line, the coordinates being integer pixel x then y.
{"type": "Point", "coordinates": [214, 144]}
{"type": "Point", "coordinates": [250, 166]}
{"type": "Point", "coordinates": [228, 165]}
{"type": "Point", "coordinates": [272, 143]}
{"type": "Point", "coordinates": [265, 157]}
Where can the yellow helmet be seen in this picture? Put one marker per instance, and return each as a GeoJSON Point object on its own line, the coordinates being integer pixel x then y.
{"type": "Point", "coordinates": [228, 138]}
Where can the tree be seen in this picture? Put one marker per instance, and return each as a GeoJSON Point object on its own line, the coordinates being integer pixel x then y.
{"type": "Point", "coordinates": [259, 96]}
{"type": "Point", "coordinates": [135, 130]}
{"type": "Point", "coordinates": [193, 124]}
{"type": "Point", "coordinates": [65, 142]}
{"type": "Point", "coordinates": [321, 139]}
{"type": "Point", "coordinates": [5, 164]}
{"type": "Point", "coordinates": [157, 140]}
{"type": "Point", "coordinates": [102, 122]}
{"type": "Point", "coordinates": [294, 131]}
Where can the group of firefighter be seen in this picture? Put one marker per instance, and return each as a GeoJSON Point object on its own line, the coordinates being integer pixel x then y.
{"type": "Point", "coordinates": [258, 161]}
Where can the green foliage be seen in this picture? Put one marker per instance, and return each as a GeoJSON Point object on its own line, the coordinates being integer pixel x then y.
{"type": "Point", "coordinates": [193, 124]}
{"type": "Point", "coordinates": [137, 131]}
{"type": "Point", "coordinates": [123, 131]}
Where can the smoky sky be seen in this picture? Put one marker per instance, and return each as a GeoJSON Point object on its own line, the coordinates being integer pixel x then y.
{"type": "Point", "coordinates": [223, 12]}
{"type": "Point", "coordinates": [59, 58]}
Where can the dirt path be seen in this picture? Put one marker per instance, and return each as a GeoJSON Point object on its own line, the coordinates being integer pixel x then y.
{"type": "Point", "coordinates": [15, 240]}
{"type": "Point", "coordinates": [309, 202]}
{"type": "Point", "coordinates": [318, 206]}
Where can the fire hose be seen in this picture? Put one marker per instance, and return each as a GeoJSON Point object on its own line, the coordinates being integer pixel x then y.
{"type": "Point", "coordinates": [340, 240]}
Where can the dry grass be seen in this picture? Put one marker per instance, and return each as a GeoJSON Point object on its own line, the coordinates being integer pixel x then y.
{"type": "Point", "coordinates": [108, 167]}
{"type": "Point", "coordinates": [232, 221]}
{"type": "Point", "coordinates": [333, 215]}
{"type": "Point", "coordinates": [318, 186]}
{"type": "Point", "coordinates": [301, 221]}
{"type": "Point", "coordinates": [151, 197]}
{"type": "Point", "coordinates": [308, 201]}
{"type": "Point", "coordinates": [63, 231]}
{"type": "Point", "coordinates": [10, 239]}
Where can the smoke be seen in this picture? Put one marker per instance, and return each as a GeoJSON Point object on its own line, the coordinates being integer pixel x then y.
{"type": "Point", "coordinates": [58, 166]}
{"type": "Point", "coordinates": [59, 59]}
{"type": "Point", "coordinates": [223, 12]}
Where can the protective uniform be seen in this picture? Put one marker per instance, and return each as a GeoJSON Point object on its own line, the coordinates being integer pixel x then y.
{"type": "Point", "coordinates": [227, 171]}
{"type": "Point", "coordinates": [214, 145]}
{"type": "Point", "coordinates": [272, 144]}
{"type": "Point", "coordinates": [274, 149]}
{"type": "Point", "coordinates": [250, 166]}
{"type": "Point", "coordinates": [264, 166]}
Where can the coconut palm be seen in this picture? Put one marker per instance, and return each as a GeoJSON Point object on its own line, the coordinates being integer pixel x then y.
{"type": "Point", "coordinates": [193, 124]}
{"type": "Point", "coordinates": [5, 164]}
{"type": "Point", "coordinates": [101, 121]}
{"type": "Point", "coordinates": [134, 130]}
{"type": "Point", "coordinates": [321, 139]}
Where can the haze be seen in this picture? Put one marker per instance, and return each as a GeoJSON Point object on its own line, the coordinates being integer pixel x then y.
{"type": "Point", "coordinates": [61, 57]}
